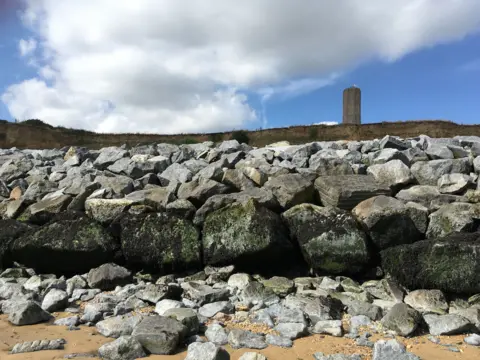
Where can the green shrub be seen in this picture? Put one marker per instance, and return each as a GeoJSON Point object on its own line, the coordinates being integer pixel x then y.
{"type": "Point", "coordinates": [216, 137]}
{"type": "Point", "coordinates": [313, 133]}
{"type": "Point", "coordinates": [190, 141]}
{"type": "Point", "coordinates": [241, 136]}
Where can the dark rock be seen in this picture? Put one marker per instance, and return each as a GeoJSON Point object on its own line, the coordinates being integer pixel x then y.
{"type": "Point", "coordinates": [108, 276]}
{"type": "Point", "coordinates": [247, 235]}
{"type": "Point", "coordinates": [160, 242]}
{"type": "Point", "coordinates": [329, 238]}
{"type": "Point", "coordinates": [70, 244]}
{"type": "Point", "coordinates": [450, 264]}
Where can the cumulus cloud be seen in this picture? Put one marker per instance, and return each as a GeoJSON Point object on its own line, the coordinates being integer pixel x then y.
{"type": "Point", "coordinates": [27, 47]}
{"type": "Point", "coordinates": [193, 65]}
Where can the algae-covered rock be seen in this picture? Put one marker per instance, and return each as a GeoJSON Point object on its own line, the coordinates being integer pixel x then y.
{"type": "Point", "coordinates": [387, 221]}
{"type": "Point", "coordinates": [160, 242]}
{"type": "Point", "coordinates": [455, 217]}
{"type": "Point", "coordinates": [450, 264]}
{"type": "Point", "coordinates": [329, 238]}
{"type": "Point", "coordinates": [9, 231]}
{"type": "Point", "coordinates": [70, 244]}
{"type": "Point", "coordinates": [246, 234]}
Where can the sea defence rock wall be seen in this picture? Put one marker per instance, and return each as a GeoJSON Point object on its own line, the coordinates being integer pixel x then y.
{"type": "Point", "coordinates": [403, 214]}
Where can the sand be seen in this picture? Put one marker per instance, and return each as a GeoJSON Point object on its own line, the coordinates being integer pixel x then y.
{"type": "Point", "coordinates": [86, 340]}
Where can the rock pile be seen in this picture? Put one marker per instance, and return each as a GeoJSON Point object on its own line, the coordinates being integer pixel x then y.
{"type": "Point", "coordinates": [387, 229]}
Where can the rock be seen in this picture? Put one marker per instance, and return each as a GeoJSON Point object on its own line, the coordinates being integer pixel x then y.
{"type": "Point", "coordinates": [216, 334]}
{"type": "Point", "coordinates": [357, 322]}
{"type": "Point", "coordinates": [124, 348]}
{"type": "Point", "coordinates": [279, 285]}
{"type": "Point", "coordinates": [120, 185]}
{"type": "Point", "coordinates": [428, 301]}
{"type": "Point", "coordinates": [108, 156]}
{"type": "Point", "coordinates": [203, 294]}
{"type": "Point", "coordinates": [9, 231]}
{"type": "Point", "coordinates": [255, 293]}
{"type": "Point", "coordinates": [428, 172]}
{"type": "Point", "coordinates": [247, 235]}
{"type": "Point", "coordinates": [330, 327]}
{"type": "Point", "coordinates": [239, 280]}
{"type": "Point", "coordinates": [455, 217]}
{"type": "Point", "coordinates": [391, 350]}
{"type": "Point", "coordinates": [402, 319]}
{"type": "Point", "coordinates": [106, 210]}
{"type": "Point", "coordinates": [198, 191]}
{"type": "Point", "coordinates": [437, 151]}
{"type": "Point", "coordinates": [108, 276]}
{"type": "Point", "coordinates": [449, 264]}
{"type": "Point", "coordinates": [237, 179]}
{"type": "Point", "coordinates": [159, 335]}
{"type": "Point", "coordinates": [387, 221]}
{"type": "Point", "coordinates": [73, 244]}
{"type": "Point", "coordinates": [329, 238]}
{"type": "Point", "coordinates": [264, 197]}
{"type": "Point", "coordinates": [38, 345]}
{"type": "Point", "coordinates": [187, 317]}
{"type": "Point", "coordinates": [252, 356]}
{"type": "Point", "coordinates": [321, 356]}
{"type": "Point", "coordinates": [175, 173]}
{"type": "Point", "coordinates": [347, 191]}
{"type": "Point", "coordinates": [393, 173]}
{"type": "Point", "coordinates": [118, 326]}
{"type": "Point", "coordinates": [280, 341]}
{"type": "Point", "coordinates": [157, 198]}
{"type": "Point", "coordinates": [55, 300]}
{"type": "Point", "coordinates": [355, 307]}
{"type": "Point", "coordinates": [291, 330]}
{"type": "Point", "coordinates": [291, 189]}
{"type": "Point", "coordinates": [166, 304]}
{"type": "Point", "coordinates": [70, 321]}
{"type": "Point", "coordinates": [27, 313]}
{"type": "Point", "coordinates": [239, 339]}
{"type": "Point", "coordinates": [160, 243]}
{"type": "Point", "coordinates": [44, 210]}
{"type": "Point", "coordinates": [390, 142]}
{"type": "Point", "coordinates": [473, 340]}
{"type": "Point", "coordinates": [15, 169]}
{"type": "Point", "coordinates": [317, 309]}
{"type": "Point", "coordinates": [454, 183]}
{"type": "Point", "coordinates": [450, 324]}
{"type": "Point", "coordinates": [385, 289]}
{"type": "Point", "coordinates": [210, 310]}
{"type": "Point", "coordinates": [422, 194]}
{"type": "Point", "coordinates": [206, 351]}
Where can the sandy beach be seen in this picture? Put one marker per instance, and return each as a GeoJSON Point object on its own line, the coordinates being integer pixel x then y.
{"type": "Point", "coordinates": [87, 341]}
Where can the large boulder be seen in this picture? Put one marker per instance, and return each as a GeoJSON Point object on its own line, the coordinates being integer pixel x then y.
{"type": "Point", "coordinates": [245, 234]}
{"type": "Point", "coordinates": [159, 335]}
{"type": "Point", "coordinates": [291, 189]}
{"type": "Point", "coordinates": [455, 217]}
{"type": "Point", "coordinates": [393, 173]}
{"type": "Point", "coordinates": [71, 243]}
{"type": "Point", "coordinates": [347, 191]}
{"type": "Point", "coordinates": [428, 172]}
{"type": "Point", "coordinates": [387, 221]}
{"type": "Point", "coordinates": [262, 196]}
{"type": "Point", "coordinates": [160, 242]}
{"type": "Point", "coordinates": [9, 231]}
{"type": "Point", "coordinates": [329, 238]}
{"type": "Point", "coordinates": [450, 264]}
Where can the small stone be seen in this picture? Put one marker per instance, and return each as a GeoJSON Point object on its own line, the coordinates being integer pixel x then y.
{"type": "Point", "coordinates": [473, 340]}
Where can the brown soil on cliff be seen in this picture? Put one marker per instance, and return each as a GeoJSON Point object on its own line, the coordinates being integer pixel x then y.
{"type": "Point", "coordinates": [38, 135]}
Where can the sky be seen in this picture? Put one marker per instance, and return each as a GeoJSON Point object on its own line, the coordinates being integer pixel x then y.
{"type": "Point", "coordinates": [164, 66]}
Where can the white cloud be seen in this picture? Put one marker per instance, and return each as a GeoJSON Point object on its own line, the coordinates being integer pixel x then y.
{"type": "Point", "coordinates": [27, 47]}
{"type": "Point", "coordinates": [328, 123]}
{"type": "Point", "coordinates": [186, 65]}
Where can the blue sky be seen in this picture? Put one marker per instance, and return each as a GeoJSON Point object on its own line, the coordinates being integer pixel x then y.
{"type": "Point", "coordinates": [437, 79]}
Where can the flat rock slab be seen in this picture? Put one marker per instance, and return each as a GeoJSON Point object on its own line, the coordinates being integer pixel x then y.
{"type": "Point", "coordinates": [347, 191]}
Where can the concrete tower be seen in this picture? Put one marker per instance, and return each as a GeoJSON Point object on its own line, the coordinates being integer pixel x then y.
{"type": "Point", "coordinates": [352, 105]}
